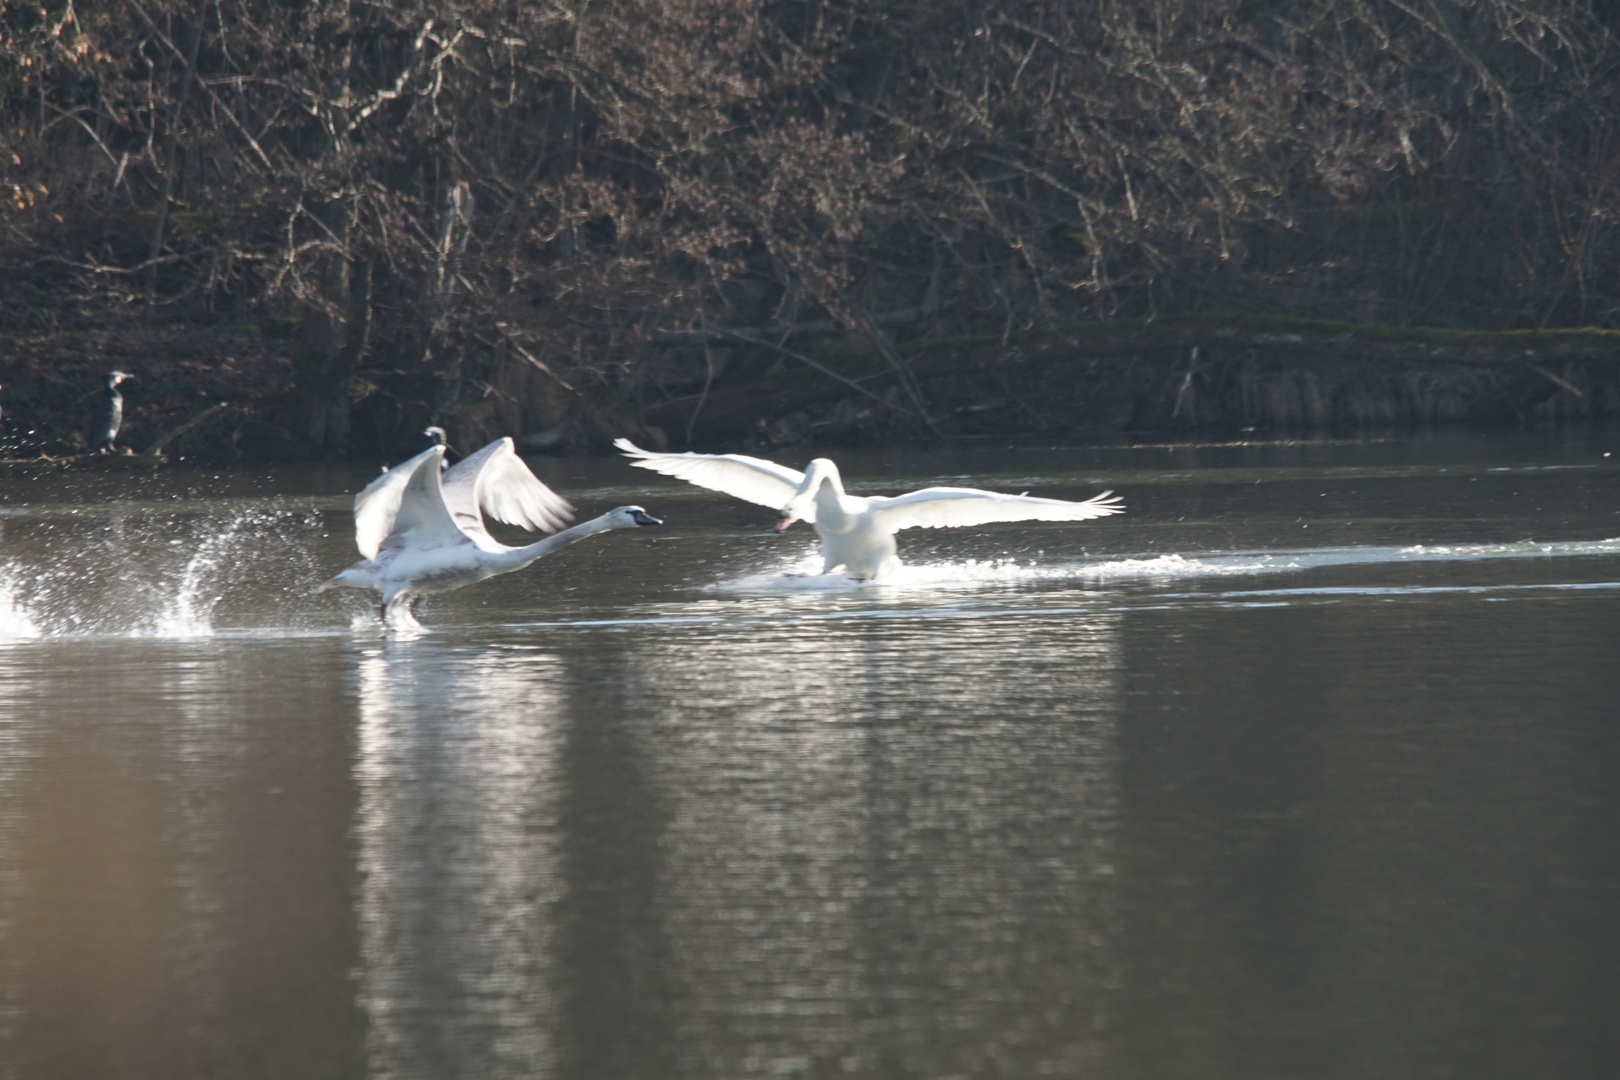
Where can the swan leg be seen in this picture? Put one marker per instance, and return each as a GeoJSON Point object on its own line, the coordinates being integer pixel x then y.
{"type": "Point", "coordinates": [395, 605]}
{"type": "Point", "coordinates": [399, 611]}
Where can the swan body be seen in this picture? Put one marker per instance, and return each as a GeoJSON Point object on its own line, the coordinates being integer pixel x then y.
{"type": "Point", "coordinates": [858, 532]}
{"type": "Point", "coordinates": [422, 531]}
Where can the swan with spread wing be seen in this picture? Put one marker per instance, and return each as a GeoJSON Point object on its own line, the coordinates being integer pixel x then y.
{"type": "Point", "coordinates": [858, 533]}
{"type": "Point", "coordinates": [422, 531]}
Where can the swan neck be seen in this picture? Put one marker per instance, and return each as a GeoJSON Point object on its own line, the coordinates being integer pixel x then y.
{"type": "Point", "coordinates": [523, 556]}
{"type": "Point", "coordinates": [826, 475]}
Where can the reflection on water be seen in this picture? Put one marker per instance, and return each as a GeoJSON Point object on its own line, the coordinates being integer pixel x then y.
{"type": "Point", "coordinates": [735, 855]}
{"type": "Point", "coordinates": [854, 816]}
{"type": "Point", "coordinates": [1304, 767]}
{"type": "Point", "coordinates": [457, 844]}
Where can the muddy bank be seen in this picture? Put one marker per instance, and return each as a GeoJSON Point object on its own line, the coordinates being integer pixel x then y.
{"type": "Point", "coordinates": [1102, 380]}
{"type": "Point", "coordinates": [51, 380]}
{"type": "Point", "coordinates": [1094, 381]}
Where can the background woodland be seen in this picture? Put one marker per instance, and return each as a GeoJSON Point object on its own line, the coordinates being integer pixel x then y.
{"type": "Point", "coordinates": [547, 217]}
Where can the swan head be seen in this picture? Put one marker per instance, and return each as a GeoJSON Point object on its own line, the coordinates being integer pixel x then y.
{"type": "Point", "coordinates": [629, 517]}
{"type": "Point", "coordinates": [116, 377]}
{"type": "Point", "coordinates": [436, 435]}
{"type": "Point", "coordinates": [802, 506]}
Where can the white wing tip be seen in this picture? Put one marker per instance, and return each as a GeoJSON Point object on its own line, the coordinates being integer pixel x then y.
{"type": "Point", "coordinates": [1107, 503]}
{"type": "Point", "coordinates": [629, 447]}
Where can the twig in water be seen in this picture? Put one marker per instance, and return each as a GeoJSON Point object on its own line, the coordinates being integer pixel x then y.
{"type": "Point", "coordinates": [156, 449]}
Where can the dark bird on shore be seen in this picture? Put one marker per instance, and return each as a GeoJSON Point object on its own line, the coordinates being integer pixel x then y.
{"type": "Point", "coordinates": [101, 430]}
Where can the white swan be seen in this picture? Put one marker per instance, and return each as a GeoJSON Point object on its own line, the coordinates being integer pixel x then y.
{"type": "Point", "coordinates": [423, 532]}
{"type": "Point", "coordinates": [858, 533]}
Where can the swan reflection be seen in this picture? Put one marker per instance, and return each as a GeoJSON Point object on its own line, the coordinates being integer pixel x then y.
{"type": "Point", "coordinates": [457, 851]}
{"type": "Point", "coordinates": [888, 850]}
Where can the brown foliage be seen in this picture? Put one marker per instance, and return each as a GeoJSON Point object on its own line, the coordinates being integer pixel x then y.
{"type": "Point", "coordinates": [483, 210]}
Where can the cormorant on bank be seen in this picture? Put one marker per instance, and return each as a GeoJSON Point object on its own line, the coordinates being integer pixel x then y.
{"type": "Point", "coordinates": [107, 417]}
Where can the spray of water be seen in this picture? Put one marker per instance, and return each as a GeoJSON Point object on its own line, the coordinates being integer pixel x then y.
{"type": "Point", "coordinates": [15, 622]}
{"type": "Point", "coordinates": [156, 577]}
{"type": "Point", "coordinates": [188, 613]}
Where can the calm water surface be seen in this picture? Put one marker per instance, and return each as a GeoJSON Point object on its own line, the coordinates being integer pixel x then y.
{"type": "Point", "coordinates": [1304, 767]}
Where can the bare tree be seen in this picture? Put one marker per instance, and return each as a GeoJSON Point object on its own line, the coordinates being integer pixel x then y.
{"type": "Point", "coordinates": [502, 214]}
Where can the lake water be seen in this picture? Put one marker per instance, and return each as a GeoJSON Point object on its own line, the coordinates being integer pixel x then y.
{"type": "Point", "coordinates": [1306, 766]}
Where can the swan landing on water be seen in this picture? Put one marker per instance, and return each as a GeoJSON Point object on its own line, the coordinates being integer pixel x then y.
{"type": "Point", "coordinates": [423, 532]}
{"type": "Point", "coordinates": [858, 533]}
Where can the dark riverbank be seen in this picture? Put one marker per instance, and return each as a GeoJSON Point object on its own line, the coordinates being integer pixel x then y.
{"type": "Point", "coordinates": [1100, 380]}
{"type": "Point", "coordinates": [1082, 382]}
{"type": "Point", "coordinates": [724, 224]}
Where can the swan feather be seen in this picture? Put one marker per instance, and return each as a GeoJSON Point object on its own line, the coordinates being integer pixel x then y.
{"type": "Point", "coordinates": [948, 507]}
{"type": "Point", "coordinates": [748, 478]}
{"type": "Point", "coordinates": [497, 482]}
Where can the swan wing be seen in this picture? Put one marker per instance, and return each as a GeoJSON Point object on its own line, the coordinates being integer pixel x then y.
{"type": "Point", "coordinates": [947, 507]}
{"type": "Point", "coordinates": [748, 478]}
{"type": "Point", "coordinates": [423, 521]}
{"type": "Point", "coordinates": [495, 481]}
{"type": "Point", "coordinates": [377, 506]}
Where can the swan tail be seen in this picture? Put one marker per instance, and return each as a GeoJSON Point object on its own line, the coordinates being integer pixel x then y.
{"type": "Point", "coordinates": [345, 580]}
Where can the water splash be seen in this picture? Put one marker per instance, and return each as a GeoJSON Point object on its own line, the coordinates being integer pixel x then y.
{"type": "Point", "coordinates": [153, 577]}
{"type": "Point", "coordinates": [189, 612]}
{"type": "Point", "coordinates": [401, 622]}
{"type": "Point", "coordinates": [15, 622]}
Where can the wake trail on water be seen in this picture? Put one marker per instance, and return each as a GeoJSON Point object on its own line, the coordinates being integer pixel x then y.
{"type": "Point", "coordinates": [249, 573]}
{"type": "Point", "coordinates": [803, 577]}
